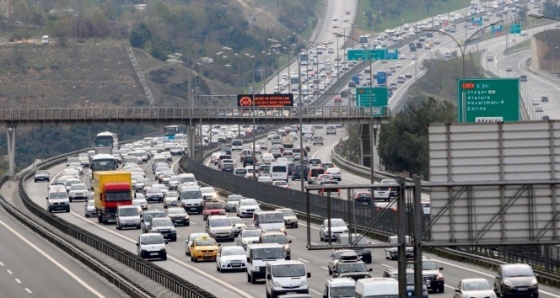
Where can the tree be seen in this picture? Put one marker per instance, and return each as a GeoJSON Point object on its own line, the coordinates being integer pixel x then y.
{"type": "Point", "coordinates": [403, 143]}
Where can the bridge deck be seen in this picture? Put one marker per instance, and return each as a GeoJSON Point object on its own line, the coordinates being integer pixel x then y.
{"type": "Point", "coordinates": [223, 115]}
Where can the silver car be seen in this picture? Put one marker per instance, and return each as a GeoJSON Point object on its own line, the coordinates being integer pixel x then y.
{"type": "Point", "coordinates": [89, 209]}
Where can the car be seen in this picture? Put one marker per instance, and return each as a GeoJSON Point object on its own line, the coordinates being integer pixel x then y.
{"type": "Point", "coordinates": [290, 218]}
{"type": "Point", "coordinates": [351, 267]}
{"type": "Point", "coordinates": [392, 253]}
{"type": "Point", "coordinates": [232, 201]}
{"type": "Point", "coordinates": [178, 216]}
{"type": "Point", "coordinates": [489, 58]}
{"type": "Point", "coordinates": [248, 236]}
{"type": "Point", "coordinates": [338, 226]}
{"type": "Point", "coordinates": [474, 287]}
{"type": "Point", "coordinates": [89, 208]}
{"type": "Point", "coordinates": [42, 175]}
{"type": "Point", "coordinates": [247, 207]}
{"type": "Point", "coordinates": [190, 238]}
{"type": "Point", "coordinates": [337, 255]}
{"type": "Point", "coordinates": [544, 99]}
{"type": "Point", "coordinates": [317, 140]}
{"type": "Point", "coordinates": [509, 68]}
{"type": "Point", "coordinates": [154, 194]}
{"type": "Point", "coordinates": [513, 280]}
{"type": "Point", "coordinates": [212, 208]}
{"type": "Point", "coordinates": [147, 216]}
{"type": "Point", "coordinates": [204, 248]}
{"type": "Point", "coordinates": [78, 191]}
{"type": "Point", "coordinates": [126, 216]}
{"type": "Point", "coordinates": [281, 183]}
{"type": "Point", "coordinates": [238, 225]}
{"type": "Point", "coordinates": [277, 237]}
{"type": "Point", "coordinates": [171, 199]}
{"type": "Point", "coordinates": [431, 272]}
{"type": "Point", "coordinates": [219, 227]}
{"type": "Point", "coordinates": [231, 258]}
{"type": "Point", "coordinates": [357, 239]}
{"type": "Point", "coordinates": [140, 202]}
{"type": "Point", "coordinates": [265, 180]}
{"type": "Point", "coordinates": [164, 226]}
{"type": "Point", "coordinates": [394, 273]}
{"type": "Point", "coordinates": [327, 191]}
{"type": "Point", "coordinates": [339, 287]}
{"type": "Point", "coordinates": [523, 78]}
{"type": "Point", "coordinates": [362, 198]}
{"type": "Point", "coordinates": [151, 245]}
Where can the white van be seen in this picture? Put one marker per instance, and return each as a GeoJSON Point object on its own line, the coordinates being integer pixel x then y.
{"type": "Point", "coordinates": [284, 277]}
{"type": "Point", "coordinates": [187, 179]}
{"type": "Point", "coordinates": [269, 221]}
{"type": "Point", "coordinates": [58, 199]}
{"type": "Point", "coordinates": [331, 129]}
{"type": "Point", "coordinates": [236, 144]}
{"type": "Point", "coordinates": [191, 198]}
{"type": "Point", "coordinates": [128, 216]}
{"type": "Point", "coordinates": [377, 287]}
{"type": "Point", "coordinates": [279, 171]}
{"type": "Point", "coordinates": [45, 39]}
{"type": "Point", "coordinates": [258, 255]}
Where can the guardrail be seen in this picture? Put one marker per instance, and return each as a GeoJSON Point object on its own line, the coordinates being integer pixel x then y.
{"type": "Point", "coordinates": [167, 279]}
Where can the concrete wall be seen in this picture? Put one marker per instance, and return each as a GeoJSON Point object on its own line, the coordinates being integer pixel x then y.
{"type": "Point", "coordinates": [545, 51]}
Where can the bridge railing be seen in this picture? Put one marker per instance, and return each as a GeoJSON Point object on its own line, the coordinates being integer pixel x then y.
{"type": "Point", "coordinates": [214, 113]}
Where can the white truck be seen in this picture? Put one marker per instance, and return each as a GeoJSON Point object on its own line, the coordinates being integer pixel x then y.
{"type": "Point", "coordinates": [307, 129]}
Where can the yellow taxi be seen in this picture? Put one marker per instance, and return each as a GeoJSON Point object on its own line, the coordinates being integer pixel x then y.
{"type": "Point", "coordinates": [204, 249]}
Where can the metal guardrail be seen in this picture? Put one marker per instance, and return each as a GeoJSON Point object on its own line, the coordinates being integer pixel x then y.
{"type": "Point", "coordinates": [320, 114]}
{"type": "Point", "coordinates": [167, 279]}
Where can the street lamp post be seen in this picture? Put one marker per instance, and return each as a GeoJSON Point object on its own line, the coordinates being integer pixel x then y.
{"type": "Point", "coordinates": [463, 49]}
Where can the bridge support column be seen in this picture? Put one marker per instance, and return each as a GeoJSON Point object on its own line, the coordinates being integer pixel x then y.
{"type": "Point", "coordinates": [11, 134]}
{"type": "Point", "coordinates": [191, 135]}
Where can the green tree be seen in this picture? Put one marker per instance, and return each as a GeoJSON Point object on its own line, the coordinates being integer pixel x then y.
{"type": "Point", "coordinates": [403, 143]}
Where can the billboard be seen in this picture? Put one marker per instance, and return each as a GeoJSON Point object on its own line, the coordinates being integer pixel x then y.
{"type": "Point", "coordinates": [497, 182]}
{"type": "Point", "coordinates": [265, 100]}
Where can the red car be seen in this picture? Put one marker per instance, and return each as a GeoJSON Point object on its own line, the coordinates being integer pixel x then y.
{"type": "Point", "coordinates": [212, 208]}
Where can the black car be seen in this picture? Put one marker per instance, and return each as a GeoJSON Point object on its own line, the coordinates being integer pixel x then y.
{"type": "Point", "coordinates": [363, 198]}
{"type": "Point", "coordinates": [42, 175]}
{"type": "Point", "coordinates": [147, 217]}
{"type": "Point", "coordinates": [352, 269]}
{"type": "Point", "coordinates": [296, 173]}
{"type": "Point", "coordinates": [248, 160]}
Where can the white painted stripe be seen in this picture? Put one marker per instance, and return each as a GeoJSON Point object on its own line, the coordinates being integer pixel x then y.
{"type": "Point", "coordinates": [1, 264]}
{"type": "Point", "coordinates": [10, 272]}
{"type": "Point", "coordinates": [326, 268]}
{"type": "Point", "coordinates": [18, 281]}
{"type": "Point", "coordinates": [292, 237]}
{"type": "Point", "coordinates": [28, 291]}
{"type": "Point", "coordinates": [303, 260]}
{"type": "Point", "coordinates": [385, 265]}
{"type": "Point", "coordinates": [59, 265]}
{"type": "Point", "coordinates": [316, 292]}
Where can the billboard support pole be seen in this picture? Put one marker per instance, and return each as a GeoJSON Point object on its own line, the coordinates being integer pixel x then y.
{"type": "Point", "coordinates": [401, 235]}
{"type": "Point", "coordinates": [418, 215]}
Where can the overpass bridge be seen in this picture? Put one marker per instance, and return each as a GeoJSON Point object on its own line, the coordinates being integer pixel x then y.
{"type": "Point", "coordinates": [188, 116]}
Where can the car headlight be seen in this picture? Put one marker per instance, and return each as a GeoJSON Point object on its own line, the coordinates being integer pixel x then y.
{"type": "Point", "coordinates": [439, 276]}
{"type": "Point", "coordinates": [277, 284]}
{"type": "Point", "coordinates": [303, 284]}
{"type": "Point", "coordinates": [187, 217]}
{"type": "Point", "coordinates": [172, 229]}
{"type": "Point", "coordinates": [256, 268]}
{"type": "Point", "coordinates": [534, 282]}
{"type": "Point", "coordinates": [508, 283]}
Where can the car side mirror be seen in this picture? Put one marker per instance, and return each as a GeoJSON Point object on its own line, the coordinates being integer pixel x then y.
{"type": "Point", "coordinates": [308, 274]}
{"type": "Point", "coordinates": [137, 244]}
{"type": "Point", "coordinates": [457, 291]}
{"type": "Point", "coordinates": [47, 198]}
{"type": "Point", "coordinates": [166, 241]}
{"type": "Point", "coordinates": [440, 268]}
{"type": "Point", "coordinates": [289, 241]}
{"type": "Point", "coordinates": [268, 277]}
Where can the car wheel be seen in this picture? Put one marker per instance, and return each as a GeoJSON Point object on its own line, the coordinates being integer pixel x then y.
{"type": "Point", "coordinates": [164, 257]}
{"type": "Point", "coordinates": [138, 227]}
{"type": "Point", "coordinates": [70, 199]}
{"type": "Point", "coordinates": [442, 289]}
{"type": "Point", "coordinates": [249, 279]}
{"type": "Point", "coordinates": [193, 259]}
{"type": "Point", "coordinates": [330, 271]}
{"type": "Point", "coordinates": [117, 227]}
{"type": "Point", "coordinates": [87, 215]}
{"type": "Point", "coordinates": [218, 267]}
{"type": "Point", "coordinates": [321, 236]}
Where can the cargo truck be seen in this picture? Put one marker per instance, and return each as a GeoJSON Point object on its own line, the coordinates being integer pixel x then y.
{"type": "Point", "coordinates": [287, 142]}
{"type": "Point", "coordinates": [111, 189]}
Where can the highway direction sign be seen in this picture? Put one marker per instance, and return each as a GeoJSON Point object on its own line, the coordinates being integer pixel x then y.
{"type": "Point", "coordinates": [488, 100]}
{"type": "Point", "coordinates": [373, 54]}
{"type": "Point", "coordinates": [372, 97]}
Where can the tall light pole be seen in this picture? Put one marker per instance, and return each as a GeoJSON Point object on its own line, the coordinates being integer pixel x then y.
{"type": "Point", "coordinates": [463, 49]}
{"type": "Point", "coordinates": [373, 125]}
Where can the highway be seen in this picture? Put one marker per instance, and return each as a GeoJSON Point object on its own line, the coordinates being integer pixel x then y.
{"type": "Point", "coordinates": [30, 266]}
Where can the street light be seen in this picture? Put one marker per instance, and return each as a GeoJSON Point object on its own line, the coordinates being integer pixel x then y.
{"type": "Point", "coordinates": [463, 49]}
{"type": "Point", "coordinates": [373, 126]}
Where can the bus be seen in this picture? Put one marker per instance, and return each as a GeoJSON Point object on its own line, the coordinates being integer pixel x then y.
{"type": "Point", "coordinates": [171, 130]}
{"type": "Point", "coordinates": [106, 142]}
{"type": "Point", "coordinates": [304, 59]}
{"type": "Point", "coordinates": [364, 39]}
{"type": "Point", "coordinates": [294, 79]}
{"type": "Point", "coordinates": [102, 162]}
{"type": "Point", "coordinates": [381, 77]}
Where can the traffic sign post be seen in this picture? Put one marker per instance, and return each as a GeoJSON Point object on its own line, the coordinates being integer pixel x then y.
{"type": "Point", "coordinates": [373, 54]}
{"type": "Point", "coordinates": [488, 100]}
{"type": "Point", "coordinates": [372, 97]}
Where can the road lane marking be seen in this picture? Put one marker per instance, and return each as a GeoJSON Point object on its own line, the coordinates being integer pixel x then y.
{"type": "Point", "coordinates": [9, 271]}
{"type": "Point", "coordinates": [28, 291]}
{"type": "Point", "coordinates": [1, 264]}
{"type": "Point", "coordinates": [48, 257]}
{"type": "Point", "coordinates": [326, 268]}
{"type": "Point", "coordinates": [303, 260]}
{"type": "Point", "coordinates": [18, 281]}
{"type": "Point", "coordinates": [316, 292]}
{"type": "Point", "coordinates": [178, 261]}
{"type": "Point", "coordinates": [385, 265]}
{"type": "Point", "coordinates": [292, 237]}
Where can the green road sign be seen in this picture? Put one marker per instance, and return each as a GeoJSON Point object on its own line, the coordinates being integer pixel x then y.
{"type": "Point", "coordinates": [515, 29]}
{"type": "Point", "coordinates": [372, 97]}
{"type": "Point", "coordinates": [488, 100]}
{"type": "Point", "coordinates": [373, 54]}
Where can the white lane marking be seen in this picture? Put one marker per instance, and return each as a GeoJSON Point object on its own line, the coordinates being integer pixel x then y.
{"type": "Point", "coordinates": [326, 268]}
{"type": "Point", "coordinates": [291, 237]}
{"type": "Point", "coordinates": [9, 271]}
{"type": "Point", "coordinates": [316, 292]}
{"type": "Point", "coordinates": [303, 260]}
{"type": "Point", "coordinates": [1, 264]}
{"type": "Point", "coordinates": [485, 274]}
{"type": "Point", "coordinates": [178, 261]}
{"type": "Point", "coordinates": [28, 291]}
{"type": "Point", "coordinates": [314, 243]}
{"type": "Point", "coordinates": [18, 281]}
{"type": "Point", "coordinates": [385, 265]}
{"type": "Point", "coordinates": [59, 265]}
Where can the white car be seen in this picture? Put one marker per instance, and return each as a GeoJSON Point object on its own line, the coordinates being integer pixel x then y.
{"type": "Point", "coordinates": [281, 183]}
{"type": "Point", "coordinates": [238, 225]}
{"type": "Point", "coordinates": [338, 226]}
{"type": "Point", "coordinates": [208, 193]}
{"type": "Point", "coordinates": [232, 201]}
{"type": "Point", "coordinates": [474, 287]}
{"type": "Point", "coordinates": [267, 158]}
{"type": "Point", "coordinates": [89, 209]}
{"type": "Point", "coordinates": [247, 207]}
{"type": "Point", "coordinates": [78, 191]}
{"type": "Point", "coordinates": [141, 203]}
{"type": "Point", "coordinates": [248, 237]}
{"type": "Point", "coordinates": [151, 245]}
{"type": "Point", "coordinates": [231, 258]}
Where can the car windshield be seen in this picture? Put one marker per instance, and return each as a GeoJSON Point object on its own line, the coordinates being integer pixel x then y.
{"type": "Point", "coordinates": [152, 239]}
{"type": "Point", "coordinates": [187, 195]}
{"type": "Point", "coordinates": [219, 222]}
{"type": "Point", "coordinates": [268, 253]}
{"type": "Point", "coordinates": [248, 203]}
{"type": "Point", "coordinates": [352, 267]}
{"type": "Point", "coordinates": [78, 187]}
{"type": "Point", "coordinates": [515, 271]}
{"type": "Point", "coordinates": [178, 210]}
{"type": "Point", "coordinates": [161, 222]}
{"type": "Point", "coordinates": [236, 220]}
{"type": "Point", "coordinates": [187, 179]}
{"type": "Point", "coordinates": [128, 212]}
{"type": "Point", "coordinates": [343, 291]}
{"type": "Point", "coordinates": [149, 216]}
{"type": "Point", "coordinates": [234, 198]}
{"type": "Point", "coordinates": [205, 242]}
{"type": "Point", "coordinates": [271, 218]}
{"type": "Point", "coordinates": [58, 195]}
{"type": "Point", "coordinates": [138, 202]}
{"type": "Point", "coordinates": [233, 251]}
{"type": "Point", "coordinates": [476, 285]}
{"type": "Point", "coordinates": [427, 265]}
{"type": "Point", "coordinates": [288, 270]}
{"type": "Point", "coordinates": [335, 223]}
{"type": "Point", "coordinates": [153, 191]}
{"type": "Point", "coordinates": [173, 194]}
{"type": "Point", "coordinates": [277, 238]}
{"type": "Point", "coordinates": [252, 233]}
{"type": "Point", "coordinates": [288, 212]}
